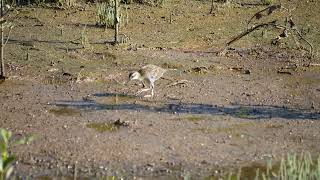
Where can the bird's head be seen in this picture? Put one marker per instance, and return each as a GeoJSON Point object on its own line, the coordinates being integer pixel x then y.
{"type": "Point", "coordinates": [134, 75]}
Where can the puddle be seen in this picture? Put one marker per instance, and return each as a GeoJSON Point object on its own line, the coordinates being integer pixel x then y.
{"type": "Point", "coordinates": [65, 111]}
{"type": "Point", "coordinates": [245, 112]}
{"type": "Point", "coordinates": [252, 172]}
{"type": "Point", "coordinates": [238, 111]}
{"type": "Point", "coordinates": [116, 98]}
{"type": "Point", "coordinates": [107, 126]}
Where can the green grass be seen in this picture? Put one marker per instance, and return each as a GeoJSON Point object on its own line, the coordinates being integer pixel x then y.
{"type": "Point", "coordinates": [293, 167]}
{"type": "Point", "coordinates": [105, 13]}
{"type": "Point", "coordinates": [6, 159]}
{"type": "Point", "coordinates": [245, 113]}
{"type": "Point", "coordinates": [267, 2]}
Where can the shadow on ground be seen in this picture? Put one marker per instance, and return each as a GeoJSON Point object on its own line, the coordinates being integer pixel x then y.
{"type": "Point", "coordinates": [238, 111]}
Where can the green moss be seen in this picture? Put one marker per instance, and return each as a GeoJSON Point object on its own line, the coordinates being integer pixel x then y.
{"type": "Point", "coordinates": [275, 126]}
{"type": "Point", "coordinates": [65, 112]}
{"type": "Point", "coordinates": [244, 112]}
{"type": "Point", "coordinates": [103, 127]}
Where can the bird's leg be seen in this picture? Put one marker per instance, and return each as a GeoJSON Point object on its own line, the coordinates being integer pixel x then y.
{"type": "Point", "coordinates": [143, 84]}
{"type": "Point", "coordinates": [152, 88]}
{"type": "Point", "coordinates": [142, 90]}
{"type": "Point", "coordinates": [152, 92]}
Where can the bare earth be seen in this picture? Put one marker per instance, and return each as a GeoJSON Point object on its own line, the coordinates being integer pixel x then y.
{"type": "Point", "coordinates": [212, 113]}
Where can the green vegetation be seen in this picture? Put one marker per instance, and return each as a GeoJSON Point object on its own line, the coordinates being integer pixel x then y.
{"type": "Point", "coordinates": [293, 167]}
{"type": "Point", "coordinates": [6, 159]}
{"type": "Point", "coordinates": [245, 113]}
{"type": "Point", "coordinates": [66, 3]}
{"type": "Point", "coordinates": [267, 2]}
{"type": "Point", "coordinates": [84, 41]}
{"type": "Point", "coordinates": [65, 111]}
{"type": "Point", "coordinates": [152, 2]}
{"type": "Point", "coordinates": [103, 127]}
{"type": "Point", "coordinates": [105, 13]}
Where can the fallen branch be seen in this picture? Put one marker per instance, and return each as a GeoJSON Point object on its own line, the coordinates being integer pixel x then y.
{"type": "Point", "coordinates": [272, 23]}
{"type": "Point", "coordinates": [288, 28]}
{"type": "Point", "coordinates": [259, 14]}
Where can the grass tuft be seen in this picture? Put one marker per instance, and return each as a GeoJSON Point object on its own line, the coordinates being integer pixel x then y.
{"type": "Point", "coordinates": [293, 167]}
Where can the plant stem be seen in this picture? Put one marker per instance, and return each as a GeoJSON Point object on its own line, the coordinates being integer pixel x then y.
{"type": "Point", "coordinates": [116, 22]}
{"type": "Point", "coordinates": [1, 43]}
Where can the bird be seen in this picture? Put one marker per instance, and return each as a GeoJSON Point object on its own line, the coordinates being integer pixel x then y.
{"type": "Point", "coordinates": [148, 73]}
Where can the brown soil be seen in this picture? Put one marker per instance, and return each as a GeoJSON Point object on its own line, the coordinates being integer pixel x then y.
{"type": "Point", "coordinates": [255, 103]}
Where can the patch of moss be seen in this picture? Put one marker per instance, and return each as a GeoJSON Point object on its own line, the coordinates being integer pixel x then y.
{"type": "Point", "coordinates": [171, 65]}
{"type": "Point", "coordinates": [65, 112]}
{"type": "Point", "coordinates": [275, 126]}
{"type": "Point", "coordinates": [244, 112]}
{"type": "Point", "coordinates": [103, 127]}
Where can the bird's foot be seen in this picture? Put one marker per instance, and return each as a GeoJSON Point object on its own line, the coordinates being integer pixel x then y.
{"type": "Point", "coordinates": [148, 96]}
{"type": "Point", "coordinates": [140, 91]}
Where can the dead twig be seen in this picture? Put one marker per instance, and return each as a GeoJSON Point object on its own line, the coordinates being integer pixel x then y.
{"type": "Point", "coordinates": [11, 27]}
{"type": "Point", "coordinates": [269, 10]}
{"type": "Point", "coordinates": [288, 28]}
{"type": "Point", "coordinates": [212, 7]}
{"type": "Point", "coordinates": [293, 28]}
{"type": "Point", "coordinates": [311, 46]}
{"type": "Point", "coordinates": [272, 23]}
